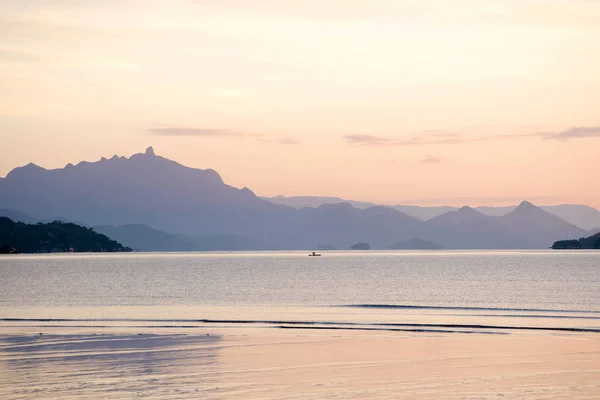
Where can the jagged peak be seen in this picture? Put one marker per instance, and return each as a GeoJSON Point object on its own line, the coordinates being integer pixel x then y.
{"type": "Point", "coordinates": [150, 151]}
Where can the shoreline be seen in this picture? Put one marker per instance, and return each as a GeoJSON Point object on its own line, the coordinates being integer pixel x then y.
{"type": "Point", "coordinates": [239, 363]}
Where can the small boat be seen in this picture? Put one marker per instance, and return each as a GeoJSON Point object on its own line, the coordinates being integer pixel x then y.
{"type": "Point", "coordinates": [314, 254]}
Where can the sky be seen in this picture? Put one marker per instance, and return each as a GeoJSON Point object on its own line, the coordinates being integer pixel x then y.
{"type": "Point", "coordinates": [463, 102]}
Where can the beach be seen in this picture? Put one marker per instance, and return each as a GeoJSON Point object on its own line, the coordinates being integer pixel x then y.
{"type": "Point", "coordinates": [54, 362]}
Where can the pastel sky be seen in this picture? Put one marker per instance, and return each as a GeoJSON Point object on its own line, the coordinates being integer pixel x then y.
{"type": "Point", "coordinates": [396, 101]}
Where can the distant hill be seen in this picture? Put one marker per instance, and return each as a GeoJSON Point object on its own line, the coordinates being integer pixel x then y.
{"type": "Point", "coordinates": [592, 242]}
{"type": "Point", "coordinates": [416, 244]}
{"type": "Point", "coordinates": [143, 238]}
{"type": "Point", "coordinates": [226, 242]}
{"type": "Point", "coordinates": [594, 231]}
{"type": "Point", "coordinates": [18, 216]}
{"type": "Point", "coordinates": [54, 237]}
{"type": "Point", "coordinates": [526, 227]}
{"type": "Point", "coordinates": [194, 209]}
{"type": "Point", "coordinates": [467, 228]}
{"type": "Point", "coordinates": [583, 216]}
{"type": "Point", "coordinates": [535, 227]}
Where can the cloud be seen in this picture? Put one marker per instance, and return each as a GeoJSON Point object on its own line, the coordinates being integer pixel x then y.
{"type": "Point", "coordinates": [573, 133]}
{"type": "Point", "coordinates": [193, 132]}
{"type": "Point", "coordinates": [367, 140]}
{"type": "Point", "coordinates": [432, 138]}
{"type": "Point", "coordinates": [429, 159]}
{"type": "Point", "coordinates": [284, 141]}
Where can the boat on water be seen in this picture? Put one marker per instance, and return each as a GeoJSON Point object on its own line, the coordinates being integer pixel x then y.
{"type": "Point", "coordinates": [315, 254]}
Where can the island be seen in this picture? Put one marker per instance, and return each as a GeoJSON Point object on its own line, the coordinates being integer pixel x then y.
{"type": "Point", "coordinates": [361, 246]}
{"type": "Point", "coordinates": [590, 243]}
{"type": "Point", "coordinates": [54, 237]}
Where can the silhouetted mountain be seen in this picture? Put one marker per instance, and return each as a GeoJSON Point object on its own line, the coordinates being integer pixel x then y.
{"type": "Point", "coordinates": [467, 228]}
{"type": "Point", "coordinates": [143, 238]}
{"type": "Point", "coordinates": [18, 216]}
{"type": "Point", "coordinates": [526, 227]}
{"type": "Point", "coordinates": [225, 242]}
{"type": "Point", "coordinates": [143, 189]}
{"type": "Point", "coordinates": [341, 225]}
{"type": "Point", "coordinates": [536, 228]}
{"type": "Point", "coordinates": [314, 201]}
{"type": "Point", "coordinates": [146, 189]}
{"type": "Point", "coordinates": [579, 215]}
{"type": "Point", "coordinates": [416, 244]}
{"type": "Point", "coordinates": [592, 242]}
{"type": "Point", "coordinates": [54, 237]}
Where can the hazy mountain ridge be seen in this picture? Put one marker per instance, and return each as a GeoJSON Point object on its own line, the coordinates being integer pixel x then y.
{"type": "Point", "coordinates": [580, 215]}
{"type": "Point", "coordinates": [173, 199]}
{"type": "Point", "coordinates": [144, 238]}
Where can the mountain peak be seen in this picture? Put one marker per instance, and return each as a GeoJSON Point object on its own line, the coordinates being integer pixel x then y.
{"type": "Point", "coordinates": [467, 210]}
{"type": "Point", "coordinates": [526, 206]}
{"type": "Point", "coordinates": [526, 203]}
{"type": "Point", "coordinates": [150, 151]}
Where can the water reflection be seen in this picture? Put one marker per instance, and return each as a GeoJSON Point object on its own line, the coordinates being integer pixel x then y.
{"type": "Point", "coordinates": [108, 366]}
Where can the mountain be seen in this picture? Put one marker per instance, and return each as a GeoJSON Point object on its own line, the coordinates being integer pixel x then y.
{"type": "Point", "coordinates": [54, 237]}
{"type": "Point", "coordinates": [145, 189]}
{"type": "Point", "coordinates": [467, 228]}
{"type": "Point", "coordinates": [537, 228]}
{"type": "Point", "coordinates": [416, 244]}
{"type": "Point", "coordinates": [592, 242]}
{"type": "Point", "coordinates": [314, 202]}
{"type": "Point", "coordinates": [422, 213]}
{"type": "Point", "coordinates": [143, 238]}
{"type": "Point", "coordinates": [594, 231]}
{"type": "Point", "coordinates": [190, 208]}
{"type": "Point", "coordinates": [526, 227]}
{"type": "Point", "coordinates": [225, 242]}
{"type": "Point", "coordinates": [18, 216]}
{"type": "Point", "coordinates": [583, 216]}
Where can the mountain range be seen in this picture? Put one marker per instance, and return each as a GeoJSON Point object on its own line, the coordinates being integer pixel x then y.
{"type": "Point", "coordinates": [138, 199]}
{"type": "Point", "coordinates": [583, 216]}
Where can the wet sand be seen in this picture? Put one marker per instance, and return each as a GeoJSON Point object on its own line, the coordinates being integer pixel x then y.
{"type": "Point", "coordinates": [268, 363]}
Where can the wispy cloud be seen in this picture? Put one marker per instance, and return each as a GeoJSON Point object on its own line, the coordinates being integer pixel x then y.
{"type": "Point", "coordinates": [429, 159]}
{"type": "Point", "coordinates": [284, 141]}
{"type": "Point", "coordinates": [573, 133]}
{"type": "Point", "coordinates": [433, 138]}
{"type": "Point", "coordinates": [367, 140]}
{"type": "Point", "coordinates": [193, 132]}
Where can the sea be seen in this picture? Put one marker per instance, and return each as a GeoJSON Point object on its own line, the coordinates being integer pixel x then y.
{"type": "Point", "coordinates": [495, 292]}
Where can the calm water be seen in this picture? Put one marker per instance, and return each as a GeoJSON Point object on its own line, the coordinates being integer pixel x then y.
{"type": "Point", "coordinates": [383, 290]}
